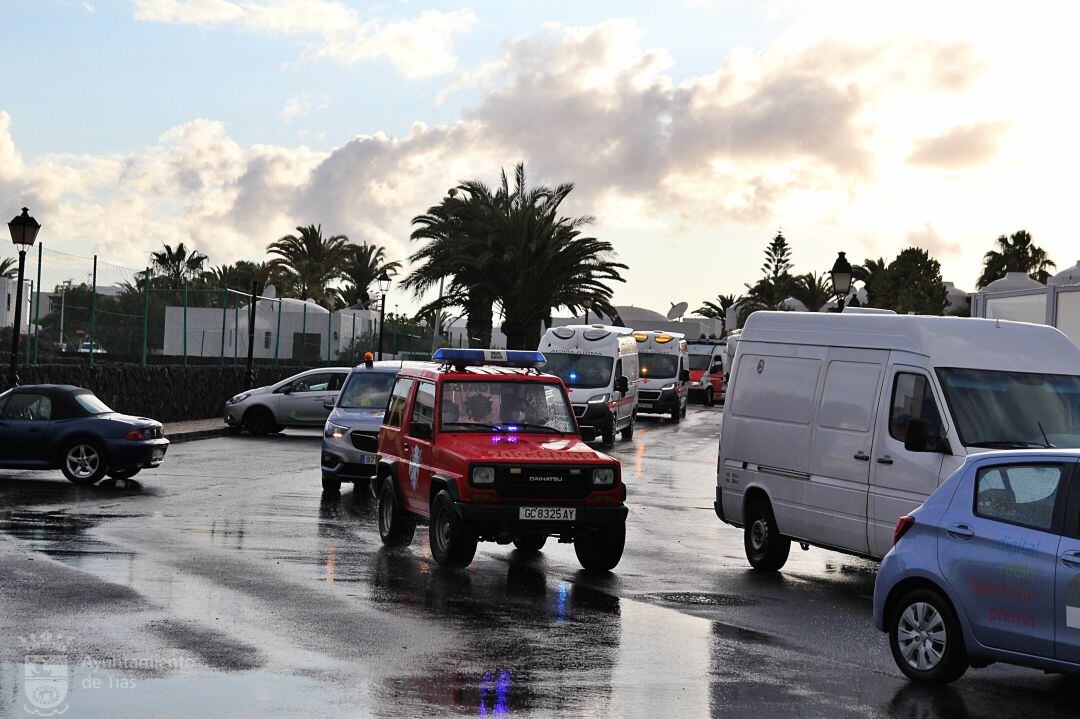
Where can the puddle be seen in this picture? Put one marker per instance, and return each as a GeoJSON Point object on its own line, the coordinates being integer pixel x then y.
{"type": "Point", "coordinates": [707, 599]}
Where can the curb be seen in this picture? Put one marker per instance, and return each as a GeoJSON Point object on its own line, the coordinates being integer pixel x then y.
{"type": "Point", "coordinates": [196, 435]}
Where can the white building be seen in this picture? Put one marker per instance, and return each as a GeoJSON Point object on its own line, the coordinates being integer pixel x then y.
{"type": "Point", "coordinates": [8, 289]}
{"type": "Point", "coordinates": [1018, 297]}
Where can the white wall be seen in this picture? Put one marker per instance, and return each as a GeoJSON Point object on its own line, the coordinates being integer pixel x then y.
{"type": "Point", "coordinates": [8, 288]}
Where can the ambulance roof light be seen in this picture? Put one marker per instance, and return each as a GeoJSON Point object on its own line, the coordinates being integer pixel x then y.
{"type": "Point", "coordinates": [461, 358]}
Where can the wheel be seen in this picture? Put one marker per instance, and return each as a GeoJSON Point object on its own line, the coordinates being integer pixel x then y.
{"type": "Point", "coordinates": [331, 486]}
{"type": "Point", "coordinates": [676, 414]}
{"type": "Point", "coordinates": [530, 543]}
{"type": "Point", "coordinates": [710, 399]}
{"type": "Point", "coordinates": [766, 548]}
{"type": "Point", "coordinates": [682, 412]}
{"type": "Point", "coordinates": [601, 549]}
{"type": "Point", "coordinates": [925, 637]}
{"type": "Point", "coordinates": [396, 526]}
{"type": "Point", "coordinates": [628, 432]}
{"type": "Point", "coordinates": [453, 543]}
{"type": "Point", "coordinates": [126, 473]}
{"type": "Point", "coordinates": [84, 462]}
{"type": "Point", "coordinates": [607, 436]}
{"type": "Point", "coordinates": [259, 421]}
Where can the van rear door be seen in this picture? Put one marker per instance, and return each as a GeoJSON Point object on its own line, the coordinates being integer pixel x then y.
{"type": "Point", "coordinates": [901, 480]}
{"type": "Point", "coordinates": [835, 502]}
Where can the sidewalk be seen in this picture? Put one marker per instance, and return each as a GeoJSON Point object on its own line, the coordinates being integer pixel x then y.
{"type": "Point", "coordinates": [196, 429]}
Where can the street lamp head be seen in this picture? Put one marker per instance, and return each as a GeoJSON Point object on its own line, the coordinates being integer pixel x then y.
{"type": "Point", "coordinates": [384, 281]}
{"type": "Point", "coordinates": [841, 276]}
{"type": "Point", "coordinates": [24, 229]}
{"type": "Point", "coordinates": [452, 192]}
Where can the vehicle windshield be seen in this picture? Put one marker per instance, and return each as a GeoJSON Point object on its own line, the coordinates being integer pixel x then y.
{"type": "Point", "coordinates": [700, 361]}
{"type": "Point", "coordinates": [506, 407]}
{"type": "Point", "coordinates": [581, 371]}
{"type": "Point", "coordinates": [92, 404]}
{"type": "Point", "coordinates": [658, 365]}
{"type": "Point", "coordinates": [994, 408]}
{"type": "Point", "coordinates": [367, 390]}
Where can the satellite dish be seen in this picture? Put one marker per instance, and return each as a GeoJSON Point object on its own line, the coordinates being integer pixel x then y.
{"type": "Point", "coordinates": [677, 310]}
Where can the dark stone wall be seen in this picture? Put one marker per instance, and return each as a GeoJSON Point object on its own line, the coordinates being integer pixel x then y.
{"type": "Point", "coordinates": [167, 393]}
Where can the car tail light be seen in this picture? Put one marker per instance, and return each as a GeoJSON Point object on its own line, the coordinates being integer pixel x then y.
{"type": "Point", "coordinates": [902, 526]}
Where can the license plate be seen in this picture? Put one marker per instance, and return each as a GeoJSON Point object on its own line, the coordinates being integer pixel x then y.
{"type": "Point", "coordinates": [157, 455]}
{"type": "Point", "coordinates": [560, 514]}
{"type": "Point", "coordinates": [367, 459]}
{"type": "Point", "coordinates": [645, 405]}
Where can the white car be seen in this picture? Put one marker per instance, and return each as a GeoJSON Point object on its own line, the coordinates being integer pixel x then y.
{"type": "Point", "coordinates": [303, 400]}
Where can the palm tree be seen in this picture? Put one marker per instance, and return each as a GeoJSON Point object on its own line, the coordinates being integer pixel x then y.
{"type": "Point", "coordinates": [308, 262]}
{"type": "Point", "coordinates": [872, 273]}
{"type": "Point", "coordinates": [813, 290]}
{"type": "Point", "coordinates": [239, 276]}
{"type": "Point", "coordinates": [718, 309]}
{"type": "Point", "coordinates": [178, 266]}
{"type": "Point", "coordinates": [1017, 254]}
{"type": "Point", "coordinates": [362, 266]}
{"type": "Point", "coordinates": [9, 268]}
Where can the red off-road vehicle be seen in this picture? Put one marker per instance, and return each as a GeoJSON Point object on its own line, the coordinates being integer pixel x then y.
{"type": "Point", "coordinates": [485, 447]}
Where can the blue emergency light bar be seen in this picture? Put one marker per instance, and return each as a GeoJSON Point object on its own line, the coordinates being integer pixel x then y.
{"type": "Point", "coordinates": [498, 358]}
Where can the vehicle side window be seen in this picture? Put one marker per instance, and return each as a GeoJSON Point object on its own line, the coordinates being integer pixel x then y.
{"type": "Point", "coordinates": [1019, 494]}
{"type": "Point", "coordinates": [618, 369]}
{"type": "Point", "coordinates": [395, 410]}
{"type": "Point", "coordinates": [336, 380]}
{"type": "Point", "coordinates": [912, 399]}
{"type": "Point", "coordinates": [317, 382]}
{"type": "Point", "coordinates": [424, 404]}
{"type": "Point", "coordinates": [33, 407]}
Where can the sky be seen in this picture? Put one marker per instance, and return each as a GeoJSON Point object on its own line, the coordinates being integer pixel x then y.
{"type": "Point", "coordinates": [693, 130]}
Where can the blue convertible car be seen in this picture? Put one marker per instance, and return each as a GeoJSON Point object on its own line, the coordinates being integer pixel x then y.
{"type": "Point", "coordinates": [70, 429]}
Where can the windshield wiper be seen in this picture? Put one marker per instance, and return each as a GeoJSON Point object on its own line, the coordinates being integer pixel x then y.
{"type": "Point", "coordinates": [1045, 438]}
{"type": "Point", "coordinates": [481, 425]}
{"type": "Point", "coordinates": [542, 427]}
{"type": "Point", "coordinates": [1004, 443]}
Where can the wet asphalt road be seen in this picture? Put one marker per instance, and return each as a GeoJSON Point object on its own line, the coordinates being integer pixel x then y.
{"type": "Point", "coordinates": [223, 585]}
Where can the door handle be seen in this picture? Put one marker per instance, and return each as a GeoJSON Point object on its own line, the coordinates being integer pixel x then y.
{"type": "Point", "coordinates": [960, 531]}
{"type": "Point", "coordinates": [1071, 559]}
{"type": "Point", "coordinates": [884, 460]}
{"type": "Point", "coordinates": [862, 456]}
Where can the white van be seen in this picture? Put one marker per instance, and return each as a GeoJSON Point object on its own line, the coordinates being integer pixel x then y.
{"type": "Point", "coordinates": [665, 373]}
{"type": "Point", "coordinates": [836, 425]}
{"type": "Point", "coordinates": [599, 366]}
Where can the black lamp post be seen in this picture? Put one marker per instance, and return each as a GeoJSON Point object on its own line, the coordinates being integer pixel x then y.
{"type": "Point", "coordinates": [586, 303]}
{"type": "Point", "coordinates": [384, 287]}
{"type": "Point", "coordinates": [841, 280]}
{"type": "Point", "coordinates": [24, 229]}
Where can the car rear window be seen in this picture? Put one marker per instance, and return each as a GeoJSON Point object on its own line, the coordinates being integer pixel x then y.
{"type": "Point", "coordinates": [92, 404]}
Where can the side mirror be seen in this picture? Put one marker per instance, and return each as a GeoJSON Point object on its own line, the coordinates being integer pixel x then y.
{"type": "Point", "coordinates": [717, 367]}
{"type": "Point", "coordinates": [420, 430]}
{"type": "Point", "coordinates": [684, 376]}
{"type": "Point", "coordinates": [622, 384]}
{"type": "Point", "coordinates": [329, 403]}
{"type": "Point", "coordinates": [588, 434]}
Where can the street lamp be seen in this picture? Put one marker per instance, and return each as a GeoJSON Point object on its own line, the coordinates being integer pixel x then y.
{"type": "Point", "coordinates": [586, 303]}
{"type": "Point", "coordinates": [24, 229]}
{"type": "Point", "coordinates": [841, 280]}
{"type": "Point", "coordinates": [384, 287]}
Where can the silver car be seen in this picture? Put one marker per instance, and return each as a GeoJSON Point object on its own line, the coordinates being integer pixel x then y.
{"type": "Point", "coordinates": [303, 400]}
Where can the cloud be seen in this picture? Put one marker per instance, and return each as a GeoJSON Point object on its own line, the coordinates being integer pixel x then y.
{"type": "Point", "coordinates": [419, 47]}
{"type": "Point", "coordinates": [960, 146]}
{"type": "Point", "coordinates": [927, 238]}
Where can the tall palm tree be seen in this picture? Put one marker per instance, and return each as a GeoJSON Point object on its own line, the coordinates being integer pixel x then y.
{"type": "Point", "coordinates": [1015, 253]}
{"type": "Point", "coordinates": [873, 275]}
{"type": "Point", "coordinates": [178, 265]}
{"type": "Point", "coordinates": [308, 262]}
{"type": "Point", "coordinates": [9, 268]}
{"type": "Point", "coordinates": [813, 290]}
{"type": "Point", "coordinates": [718, 309]}
{"type": "Point", "coordinates": [362, 265]}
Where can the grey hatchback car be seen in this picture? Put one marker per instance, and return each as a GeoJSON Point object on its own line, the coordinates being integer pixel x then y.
{"type": "Point", "coordinates": [302, 400]}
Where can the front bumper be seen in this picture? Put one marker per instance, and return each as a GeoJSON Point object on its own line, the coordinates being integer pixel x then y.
{"type": "Point", "coordinates": [493, 520]}
{"type": "Point", "coordinates": [667, 401]}
{"type": "Point", "coordinates": [341, 461]}
{"type": "Point", "coordinates": [145, 454]}
{"type": "Point", "coordinates": [596, 415]}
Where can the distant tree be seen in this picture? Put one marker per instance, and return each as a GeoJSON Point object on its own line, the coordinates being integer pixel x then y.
{"type": "Point", "coordinates": [1015, 253]}
{"type": "Point", "coordinates": [870, 273]}
{"type": "Point", "coordinates": [361, 268]}
{"type": "Point", "coordinates": [777, 283]}
{"type": "Point", "coordinates": [239, 276]}
{"type": "Point", "coordinates": [178, 265]}
{"type": "Point", "coordinates": [9, 268]}
{"type": "Point", "coordinates": [309, 262]}
{"type": "Point", "coordinates": [813, 290]}
{"type": "Point", "coordinates": [912, 283]}
{"type": "Point", "coordinates": [718, 309]}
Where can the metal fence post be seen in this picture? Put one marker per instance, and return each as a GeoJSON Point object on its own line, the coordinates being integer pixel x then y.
{"type": "Point", "coordinates": [303, 335]}
{"type": "Point", "coordinates": [37, 308]}
{"type": "Point", "coordinates": [185, 319]}
{"type": "Point", "coordinates": [329, 332]}
{"type": "Point", "coordinates": [236, 334]}
{"type": "Point", "coordinates": [93, 314]}
{"type": "Point", "coordinates": [277, 333]}
{"type": "Point", "coordinates": [29, 324]}
{"type": "Point", "coordinates": [352, 341]}
{"type": "Point", "coordinates": [224, 317]}
{"type": "Point", "coordinates": [146, 315]}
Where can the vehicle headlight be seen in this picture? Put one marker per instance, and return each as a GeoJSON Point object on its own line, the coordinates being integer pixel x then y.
{"type": "Point", "coordinates": [239, 398]}
{"type": "Point", "coordinates": [334, 431]}
{"type": "Point", "coordinates": [668, 386]}
{"type": "Point", "coordinates": [695, 384]}
{"type": "Point", "coordinates": [603, 477]}
{"type": "Point", "coordinates": [483, 475]}
{"type": "Point", "coordinates": [599, 398]}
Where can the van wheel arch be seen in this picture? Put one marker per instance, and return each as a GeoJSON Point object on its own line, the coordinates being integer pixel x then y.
{"type": "Point", "coordinates": [441, 483]}
{"type": "Point", "coordinates": [752, 496]}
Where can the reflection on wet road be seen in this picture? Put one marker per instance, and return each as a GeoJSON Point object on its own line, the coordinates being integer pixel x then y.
{"type": "Point", "coordinates": [224, 584]}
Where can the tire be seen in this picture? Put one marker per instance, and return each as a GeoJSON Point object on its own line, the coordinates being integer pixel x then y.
{"type": "Point", "coordinates": [83, 462]}
{"type": "Point", "coordinates": [126, 473]}
{"type": "Point", "coordinates": [530, 543]}
{"type": "Point", "coordinates": [453, 543]}
{"type": "Point", "coordinates": [938, 657]}
{"type": "Point", "coordinates": [601, 549]}
{"type": "Point", "coordinates": [710, 398]}
{"type": "Point", "coordinates": [396, 526]}
{"type": "Point", "coordinates": [331, 486]}
{"type": "Point", "coordinates": [627, 433]}
{"type": "Point", "coordinates": [682, 412]}
{"type": "Point", "coordinates": [676, 414]}
{"type": "Point", "coordinates": [766, 549]}
{"type": "Point", "coordinates": [607, 437]}
{"type": "Point", "coordinates": [259, 421]}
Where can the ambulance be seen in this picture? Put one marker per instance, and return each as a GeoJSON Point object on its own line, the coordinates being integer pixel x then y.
{"type": "Point", "coordinates": [706, 371]}
{"type": "Point", "coordinates": [599, 366]}
{"type": "Point", "coordinates": [664, 359]}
